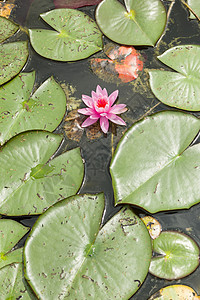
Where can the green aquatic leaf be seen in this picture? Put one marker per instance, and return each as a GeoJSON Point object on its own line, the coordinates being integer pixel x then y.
{"type": "Point", "coordinates": [76, 36]}
{"type": "Point", "coordinates": [178, 255]}
{"type": "Point", "coordinates": [181, 88]}
{"type": "Point", "coordinates": [86, 259]}
{"type": "Point", "coordinates": [153, 158]}
{"type": "Point", "coordinates": [7, 28]}
{"type": "Point", "coordinates": [13, 57]}
{"type": "Point", "coordinates": [195, 5]}
{"type": "Point", "coordinates": [21, 111]}
{"type": "Point", "coordinates": [12, 284]}
{"type": "Point", "coordinates": [27, 185]}
{"type": "Point", "coordinates": [140, 22]}
{"type": "Point", "coordinates": [10, 234]}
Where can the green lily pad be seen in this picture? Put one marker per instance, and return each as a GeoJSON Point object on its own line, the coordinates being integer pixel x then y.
{"type": "Point", "coordinates": [86, 259]}
{"type": "Point", "coordinates": [151, 160]}
{"type": "Point", "coordinates": [178, 255]}
{"type": "Point", "coordinates": [195, 5]}
{"type": "Point", "coordinates": [76, 36]}
{"type": "Point", "coordinates": [178, 89]}
{"type": "Point", "coordinates": [10, 234]}
{"type": "Point", "coordinates": [27, 185]}
{"type": "Point", "coordinates": [140, 22]}
{"type": "Point", "coordinates": [13, 57]}
{"type": "Point", "coordinates": [12, 283]}
{"type": "Point", "coordinates": [7, 28]}
{"type": "Point", "coordinates": [21, 111]}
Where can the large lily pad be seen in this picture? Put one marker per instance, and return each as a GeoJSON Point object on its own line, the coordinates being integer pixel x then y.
{"type": "Point", "coordinates": [13, 57]}
{"type": "Point", "coordinates": [152, 169]}
{"type": "Point", "coordinates": [10, 233]}
{"type": "Point", "coordinates": [84, 259]}
{"type": "Point", "coordinates": [178, 255]}
{"type": "Point", "coordinates": [182, 88]}
{"type": "Point", "coordinates": [21, 111]}
{"type": "Point", "coordinates": [76, 36]}
{"type": "Point", "coordinates": [30, 183]}
{"type": "Point", "coordinates": [140, 22]}
{"type": "Point", "coordinates": [195, 5]}
{"type": "Point", "coordinates": [12, 283]}
{"type": "Point", "coordinates": [7, 28]}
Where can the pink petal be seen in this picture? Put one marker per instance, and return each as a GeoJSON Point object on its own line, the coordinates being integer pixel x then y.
{"type": "Point", "coordinates": [95, 116]}
{"type": "Point", "coordinates": [104, 92]}
{"type": "Point", "coordinates": [94, 96]}
{"type": "Point", "coordinates": [113, 97]}
{"type": "Point", "coordinates": [115, 119]}
{"type": "Point", "coordinates": [88, 122]}
{"type": "Point", "coordinates": [88, 101]}
{"type": "Point", "coordinates": [118, 109]}
{"type": "Point", "coordinates": [86, 111]}
{"type": "Point", "coordinates": [99, 90]}
{"type": "Point", "coordinates": [104, 123]}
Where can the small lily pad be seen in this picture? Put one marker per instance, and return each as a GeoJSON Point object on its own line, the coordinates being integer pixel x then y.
{"type": "Point", "coordinates": [179, 89]}
{"type": "Point", "coordinates": [152, 158]}
{"type": "Point", "coordinates": [195, 5]}
{"type": "Point", "coordinates": [76, 36]}
{"type": "Point", "coordinates": [12, 283]}
{"type": "Point", "coordinates": [13, 57]}
{"type": "Point", "coordinates": [140, 22]}
{"type": "Point", "coordinates": [86, 259]}
{"type": "Point", "coordinates": [178, 255]}
{"type": "Point", "coordinates": [31, 181]}
{"type": "Point", "coordinates": [7, 28]}
{"type": "Point", "coordinates": [10, 234]}
{"type": "Point", "coordinates": [175, 292]}
{"type": "Point", "coordinates": [21, 111]}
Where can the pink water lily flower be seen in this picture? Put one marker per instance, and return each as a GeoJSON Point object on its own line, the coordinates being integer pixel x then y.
{"type": "Point", "coordinates": [100, 107]}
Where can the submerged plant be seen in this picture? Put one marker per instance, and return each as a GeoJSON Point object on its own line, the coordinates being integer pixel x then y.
{"type": "Point", "coordinates": [100, 107]}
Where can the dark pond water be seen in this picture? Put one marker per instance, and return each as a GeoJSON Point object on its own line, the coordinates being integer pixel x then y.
{"type": "Point", "coordinates": [79, 79]}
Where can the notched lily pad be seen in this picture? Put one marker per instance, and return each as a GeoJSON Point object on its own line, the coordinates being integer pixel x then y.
{"type": "Point", "coordinates": [179, 89]}
{"type": "Point", "coordinates": [76, 36]}
{"type": "Point", "coordinates": [195, 5]}
{"type": "Point", "coordinates": [20, 110]}
{"type": "Point", "coordinates": [31, 181]}
{"type": "Point", "coordinates": [178, 255]}
{"type": "Point", "coordinates": [10, 234]}
{"type": "Point", "coordinates": [7, 28]}
{"type": "Point", "coordinates": [86, 259]}
{"type": "Point", "coordinates": [152, 158]}
{"type": "Point", "coordinates": [13, 57]}
{"type": "Point", "coordinates": [140, 22]}
{"type": "Point", "coordinates": [12, 283]}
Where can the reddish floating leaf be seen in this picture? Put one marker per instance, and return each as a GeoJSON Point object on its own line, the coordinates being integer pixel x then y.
{"type": "Point", "coordinates": [74, 4]}
{"type": "Point", "coordinates": [123, 66]}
